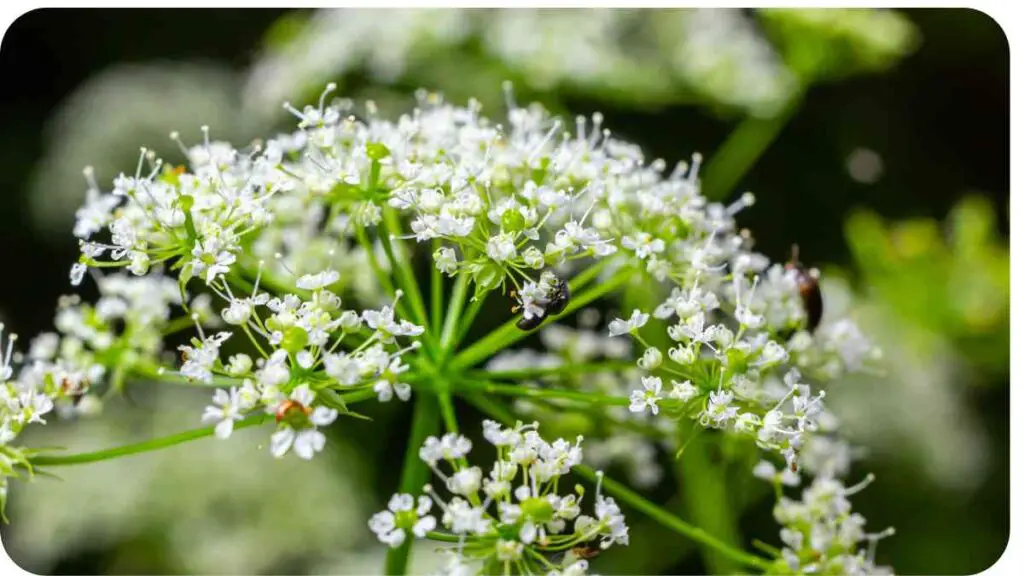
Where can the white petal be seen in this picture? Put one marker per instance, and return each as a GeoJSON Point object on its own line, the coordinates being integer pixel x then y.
{"type": "Point", "coordinates": [383, 390]}
{"type": "Point", "coordinates": [424, 525]}
{"type": "Point", "coordinates": [221, 397]}
{"type": "Point", "coordinates": [322, 415]}
{"type": "Point", "coordinates": [281, 441]}
{"type": "Point", "coordinates": [400, 502]}
{"type": "Point", "coordinates": [308, 442]}
{"type": "Point", "coordinates": [212, 414]}
{"type": "Point", "coordinates": [528, 533]}
{"type": "Point", "coordinates": [403, 390]}
{"type": "Point", "coordinates": [223, 430]}
{"type": "Point", "coordinates": [394, 539]}
{"type": "Point", "coordinates": [303, 395]}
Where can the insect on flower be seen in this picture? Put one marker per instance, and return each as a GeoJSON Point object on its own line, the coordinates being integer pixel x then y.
{"type": "Point", "coordinates": [555, 299]}
{"type": "Point", "coordinates": [810, 290]}
{"type": "Point", "coordinates": [587, 550]}
{"type": "Point", "coordinates": [288, 406]}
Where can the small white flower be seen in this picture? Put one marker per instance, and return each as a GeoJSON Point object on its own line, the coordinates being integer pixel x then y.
{"type": "Point", "coordinates": [683, 391]}
{"type": "Point", "coordinates": [509, 550]}
{"type": "Point", "coordinates": [501, 248]}
{"type": "Point", "coordinates": [239, 364]}
{"type": "Point", "coordinates": [226, 409]}
{"type": "Point", "coordinates": [498, 435]}
{"type": "Point", "coordinates": [644, 245]}
{"type": "Point", "coordinates": [386, 390]}
{"type": "Point", "coordinates": [238, 311]}
{"type": "Point", "coordinates": [719, 410]}
{"type": "Point", "coordinates": [533, 258]}
{"type": "Point", "coordinates": [139, 263]}
{"type": "Point", "coordinates": [319, 280]}
{"type": "Point", "coordinates": [199, 360]}
{"type": "Point", "coordinates": [404, 514]}
{"type": "Point", "coordinates": [773, 353]}
{"type": "Point", "coordinates": [640, 400]}
{"type": "Point", "coordinates": [275, 370]}
{"type": "Point", "coordinates": [448, 447]}
{"type": "Point", "coordinates": [307, 440]}
{"type": "Point", "coordinates": [683, 355]}
{"type": "Point", "coordinates": [77, 273]}
{"type": "Point", "coordinates": [466, 481]}
{"type": "Point", "coordinates": [446, 260]}
{"type": "Point", "coordinates": [650, 360]}
{"type": "Point", "coordinates": [618, 326]}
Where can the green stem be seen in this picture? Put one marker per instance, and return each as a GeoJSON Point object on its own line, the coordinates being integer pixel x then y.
{"type": "Point", "coordinates": [436, 294]}
{"type": "Point", "coordinates": [546, 371]}
{"type": "Point", "coordinates": [509, 333]}
{"type": "Point", "coordinates": [451, 319]}
{"type": "Point", "coordinates": [371, 255]}
{"type": "Point", "coordinates": [400, 263]}
{"type": "Point", "coordinates": [425, 422]}
{"type": "Point", "coordinates": [443, 537]}
{"type": "Point", "coordinates": [467, 320]}
{"type": "Point", "coordinates": [597, 414]}
{"type": "Point", "coordinates": [451, 423]}
{"type": "Point", "coordinates": [742, 149]}
{"type": "Point", "coordinates": [178, 324]}
{"type": "Point", "coordinates": [656, 513]}
{"type": "Point", "coordinates": [140, 447]}
{"type": "Point", "coordinates": [526, 392]}
{"type": "Point", "coordinates": [173, 377]}
{"type": "Point", "coordinates": [583, 278]}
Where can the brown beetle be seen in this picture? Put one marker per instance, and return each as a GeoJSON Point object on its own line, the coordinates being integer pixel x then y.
{"type": "Point", "coordinates": [288, 406]}
{"type": "Point", "coordinates": [810, 290]}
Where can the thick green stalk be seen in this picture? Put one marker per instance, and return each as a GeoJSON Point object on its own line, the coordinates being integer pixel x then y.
{"type": "Point", "coordinates": [705, 491]}
{"type": "Point", "coordinates": [139, 447]}
{"type": "Point", "coordinates": [425, 422]}
{"type": "Point", "coordinates": [509, 333]}
{"type": "Point", "coordinates": [741, 150]}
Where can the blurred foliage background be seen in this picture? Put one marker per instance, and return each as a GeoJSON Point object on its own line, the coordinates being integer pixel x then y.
{"type": "Point", "coordinates": [876, 140]}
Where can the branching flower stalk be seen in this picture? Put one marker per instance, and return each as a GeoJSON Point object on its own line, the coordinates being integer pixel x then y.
{"type": "Point", "coordinates": [245, 246]}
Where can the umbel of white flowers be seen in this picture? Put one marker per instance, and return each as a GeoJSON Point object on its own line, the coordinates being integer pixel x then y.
{"type": "Point", "coordinates": [257, 247]}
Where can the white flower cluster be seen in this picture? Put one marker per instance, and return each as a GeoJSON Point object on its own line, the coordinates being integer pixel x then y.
{"type": "Point", "coordinates": [318, 350]}
{"type": "Point", "coordinates": [216, 221]}
{"type": "Point", "coordinates": [730, 364]}
{"type": "Point", "coordinates": [123, 331]}
{"type": "Point", "coordinates": [820, 532]}
{"type": "Point", "coordinates": [513, 516]}
{"type": "Point", "coordinates": [724, 338]}
{"type": "Point", "coordinates": [615, 437]}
